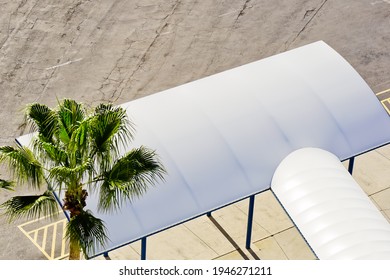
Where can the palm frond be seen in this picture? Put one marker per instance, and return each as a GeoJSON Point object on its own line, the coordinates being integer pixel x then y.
{"type": "Point", "coordinates": [50, 152]}
{"type": "Point", "coordinates": [30, 206]}
{"type": "Point", "coordinates": [129, 178]}
{"type": "Point", "coordinates": [87, 230]}
{"type": "Point", "coordinates": [7, 185]}
{"type": "Point", "coordinates": [79, 139]}
{"type": "Point", "coordinates": [70, 114]}
{"type": "Point", "coordinates": [67, 175]}
{"type": "Point", "coordinates": [42, 119]}
{"type": "Point", "coordinates": [23, 165]}
{"type": "Point", "coordinates": [111, 197]}
{"type": "Point", "coordinates": [110, 128]}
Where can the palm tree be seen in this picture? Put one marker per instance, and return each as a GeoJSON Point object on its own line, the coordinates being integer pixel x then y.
{"type": "Point", "coordinates": [75, 151]}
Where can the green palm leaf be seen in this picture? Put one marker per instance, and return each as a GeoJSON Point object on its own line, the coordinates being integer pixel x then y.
{"type": "Point", "coordinates": [79, 139]}
{"type": "Point", "coordinates": [23, 164]}
{"type": "Point", "coordinates": [68, 175]}
{"type": "Point", "coordinates": [70, 115]}
{"type": "Point", "coordinates": [129, 178]}
{"type": "Point", "coordinates": [42, 119]}
{"type": "Point", "coordinates": [7, 185]}
{"type": "Point", "coordinates": [30, 206]}
{"type": "Point", "coordinates": [54, 154]}
{"type": "Point", "coordinates": [87, 230]}
{"type": "Point", "coordinates": [109, 128]}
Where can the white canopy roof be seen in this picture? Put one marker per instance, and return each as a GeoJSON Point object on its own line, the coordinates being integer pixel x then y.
{"type": "Point", "coordinates": [222, 137]}
{"type": "Point", "coordinates": [333, 213]}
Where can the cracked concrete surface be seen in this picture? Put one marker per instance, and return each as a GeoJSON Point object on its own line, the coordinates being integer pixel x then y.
{"type": "Point", "coordinates": [120, 50]}
{"type": "Point", "coordinates": [310, 14]}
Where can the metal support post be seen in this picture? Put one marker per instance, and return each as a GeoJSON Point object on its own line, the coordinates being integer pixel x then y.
{"type": "Point", "coordinates": [208, 214]}
{"type": "Point", "coordinates": [143, 248]}
{"type": "Point", "coordinates": [105, 254]}
{"type": "Point", "coordinates": [350, 165]}
{"type": "Point", "coordinates": [59, 202]}
{"type": "Point", "coordinates": [250, 221]}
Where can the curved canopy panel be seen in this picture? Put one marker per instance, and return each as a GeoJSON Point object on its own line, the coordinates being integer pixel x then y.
{"type": "Point", "coordinates": [333, 213]}
{"type": "Point", "coordinates": [221, 137]}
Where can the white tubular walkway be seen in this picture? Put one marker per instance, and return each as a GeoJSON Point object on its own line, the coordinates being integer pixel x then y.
{"type": "Point", "coordinates": [332, 212]}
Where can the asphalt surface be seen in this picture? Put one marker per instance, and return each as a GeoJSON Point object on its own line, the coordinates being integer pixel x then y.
{"type": "Point", "coordinates": [117, 51]}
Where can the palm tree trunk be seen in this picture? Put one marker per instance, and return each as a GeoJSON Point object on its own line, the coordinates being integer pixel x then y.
{"type": "Point", "coordinates": [74, 250]}
{"type": "Point", "coordinates": [73, 204]}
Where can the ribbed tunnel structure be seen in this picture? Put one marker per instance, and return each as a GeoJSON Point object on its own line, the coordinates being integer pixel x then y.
{"type": "Point", "coordinates": [329, 208]}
